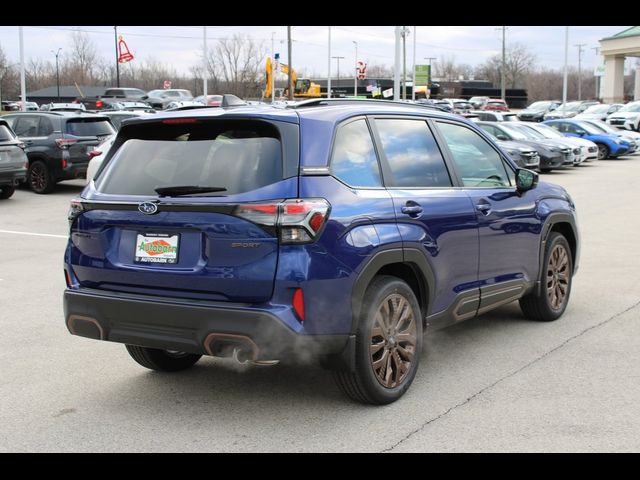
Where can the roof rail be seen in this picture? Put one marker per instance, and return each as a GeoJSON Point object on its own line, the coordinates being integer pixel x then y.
{"type": "Point", "coordinates": [351, 101]}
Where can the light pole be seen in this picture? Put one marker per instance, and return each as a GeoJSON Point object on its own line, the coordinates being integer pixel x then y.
{"type": "Point", "coordinates": [355, 78]}
{"type": "Point", "coordinates": [273, 70]}
{"type": "Point", "coordinates": [580, 45]}
{"type": "Point", "coordinates": [413, 88]}
{"type": "Point", "coordinates": [404, 32]}
{"type": "Point", "coordinates": [597, 49]}
{"type": "Point", "coordinates": [338, 80]}
{"type": "Point", "coordinates": [115, 37]}
{"type": "Point", "coordinates": [57, 72]}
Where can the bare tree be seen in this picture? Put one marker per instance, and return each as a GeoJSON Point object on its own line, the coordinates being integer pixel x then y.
{"type": "Point", "coordinates": [81, 61]}
{"type": "Point", "coordinates": [519, 62]}
{"type": "Point", "coordinates": [238, 63]}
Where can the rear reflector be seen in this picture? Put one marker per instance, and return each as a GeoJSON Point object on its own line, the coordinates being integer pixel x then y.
{"type": "Point", "coordinates": [67, 279]}
{"type": "Point", "coordinates": [298, 303]}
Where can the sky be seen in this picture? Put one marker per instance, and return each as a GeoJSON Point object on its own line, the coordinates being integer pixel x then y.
{"type": "Point", "coordinates": [181, 46]}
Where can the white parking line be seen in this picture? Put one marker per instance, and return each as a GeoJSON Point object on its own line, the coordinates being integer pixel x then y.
{"type": "Point", "coordinates": [34, 234]}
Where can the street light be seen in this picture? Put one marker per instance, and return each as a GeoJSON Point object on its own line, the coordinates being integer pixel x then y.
{"type": "Point", "coordinates": [404, 32]}
{"type": "Point", "coordinates": [57, 72]}
{"type": "Point", "coordinates": [338, 80]}
{"type": "Point", "coordinates": [355, 79]}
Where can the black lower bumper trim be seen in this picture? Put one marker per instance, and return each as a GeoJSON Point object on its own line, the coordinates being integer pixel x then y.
{"type": "Point", "coordinates": [185, 326]}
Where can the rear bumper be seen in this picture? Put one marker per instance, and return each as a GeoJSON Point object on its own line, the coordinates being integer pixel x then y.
{"type": "Point", "coordinates": [13, 177]}
{"type": "Point", "coordinates": [188, 326]}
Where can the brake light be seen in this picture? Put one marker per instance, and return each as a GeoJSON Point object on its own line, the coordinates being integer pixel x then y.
{"type": "Point", "coordinates": [67, 279]}
{"type": "Point", "coordinates": [64, 163]}
{"type": "Point", "coordinates": [94, 153]}
{"type": "Point", "coordinates": [180, 120]}
{"type": "Point", "coordinates": [64, 143]}
{"type": "Point", "coordinates": [75, 209]}
{"type": "Point", "coordinates": [298, 304]}
{"type": "Point", "coordinates": [99, 104]}
{"type": "Point", "coordinates": [298, 220]}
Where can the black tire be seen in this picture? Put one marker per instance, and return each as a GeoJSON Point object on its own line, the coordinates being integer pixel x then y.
{"type": "Point", "coordinates": [40, 178]}
{"type": "Point", "coordinates": [7, 191]}
{"type": "Point", "coordinates": [162, 360]}
{"type": "Point", "coordinates": [402, 356]}
{"type": "Point", "coordinates": [603, 151]}
{"type": "Point", "coordinates": [546, 306]}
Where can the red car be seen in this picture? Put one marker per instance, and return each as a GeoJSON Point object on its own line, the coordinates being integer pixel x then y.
{"type": "Point", "coordinates": [499, 105]}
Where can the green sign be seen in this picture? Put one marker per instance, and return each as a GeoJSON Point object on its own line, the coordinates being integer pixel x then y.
{"type": "Point", "coordinates": [423, 74]}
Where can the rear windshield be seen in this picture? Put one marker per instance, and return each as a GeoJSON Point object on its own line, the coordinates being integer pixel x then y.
{"type": "Point", "coordinates": [236, 156]}
{"type": "Point", "coordinates": [86, 127]}
{"type": "Point", "coordinates": [5, 134]}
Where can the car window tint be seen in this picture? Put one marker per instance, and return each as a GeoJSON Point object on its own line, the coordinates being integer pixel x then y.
{"type": "Point", "coordinates": [477, 162]}
{"type": "Point", "coordinates": [354, 159]}
{"type": "Point", "coordinates": [46, 127]}
{"type": "Point", "coordinates": [11, 121]}
{"type": "Point", "coordinates": [27, 126]}
{"type": "Point", "coordinates": [413, 154]}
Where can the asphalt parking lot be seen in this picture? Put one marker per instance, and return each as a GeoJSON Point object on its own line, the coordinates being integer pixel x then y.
{"type": "Point", "coordinates": [495, 383]}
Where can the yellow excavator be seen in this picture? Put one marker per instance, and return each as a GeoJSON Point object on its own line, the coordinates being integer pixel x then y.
{"type": "Point", "coordinates": [303, 87]}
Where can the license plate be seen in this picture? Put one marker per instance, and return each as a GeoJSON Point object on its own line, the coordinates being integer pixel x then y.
{"type": "Point", "coordinates": [157, 248]}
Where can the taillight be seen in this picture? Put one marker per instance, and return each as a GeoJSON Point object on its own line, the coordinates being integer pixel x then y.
{"type": "Point", "coordinates": [67, 279]}
{"type": "Point", "coordinates": [99, 104]}
{"type": "Point", "coordinates": [75, 209]}
{"type": "Point", "coordinates": [298, 220]}
{"type": "Point", "coordinates": [298, 303]}
{"type": "Point", "coordinates": [94, 153]}
{"type": "Point", "coordinates": [64, 143]}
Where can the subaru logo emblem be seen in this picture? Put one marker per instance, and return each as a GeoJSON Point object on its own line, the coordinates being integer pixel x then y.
{"type": "Point", "coordinates": [148, 208]}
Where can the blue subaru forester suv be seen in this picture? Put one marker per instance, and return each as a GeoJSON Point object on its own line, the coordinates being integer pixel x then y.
{"type": "Point", "coordinates": [333, 230]}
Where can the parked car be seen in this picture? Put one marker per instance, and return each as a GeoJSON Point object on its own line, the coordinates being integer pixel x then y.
{"type": "Point", "coordinates": [13, 161]}
{"type": "Point", "coordinates": [443, 104]}
{"type": "Point", "coordinates": [496, 104]}
{"type": "Point", "coordinates": [478, 102]}
{"type": "Point", "coordinates": [488, 116]}
{"type": "Point", "coordinates": [570, 109]}
{"type": "Point", "coordinates": [62, 107]}
{"type": "Point", "coordinates": [112, 95]}
{"type": "Point", "coordinates": [130, 107]}
{"type": "Point", "coordinates": [579, 153]}
{"type": "Point", "coordinates": [552, 154]}
{"type": "Point", "coordinates": [212, 100]}
{"type": "Point", "coordinates": [609, 146]}
{"type": "Point", "coordinates": [589, 150]}
{"type": "Point", "coordinates": [58, 144]}
{"type": "Point", "coordinates": [97, 155]}
{"type": "Point", "coordinates": [118, 116]}
{"type": "Point", "coordinates": [537, 110]}
{"type": "Point", "coordinates": [184, 105]}
{"type": "Point", "coordinates": [627, 117]}
{"type": "Point", "coordinates": [599, 111]}
{"type": "Point", "coordinates": [264, 234]}
{"type": "Point", "coordinates": [16, 105]}
{"type": "Point", "coordinates": [629, 135]}
{"type": "Point", "coordinates": [523, 155]}
{"type": "Point", "coordinates": [159, 99]}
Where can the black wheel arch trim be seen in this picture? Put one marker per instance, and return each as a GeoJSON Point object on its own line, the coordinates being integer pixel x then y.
{"type": "Point", "coordinates": [411, 257]}
{"type": "Point", "coordinates": [552, 220]}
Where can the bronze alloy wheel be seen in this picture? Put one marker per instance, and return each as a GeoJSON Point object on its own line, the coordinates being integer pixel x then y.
{"type": "Point", "coordinates": [558, 276]}
{"type": "Point", "coordinates": [38, 177]}
{"type": "Point", "coordinates": [393, 340]}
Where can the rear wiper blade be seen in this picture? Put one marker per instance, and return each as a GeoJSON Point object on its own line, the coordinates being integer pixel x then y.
{"type": "Point", "coordinates": [186, 190]}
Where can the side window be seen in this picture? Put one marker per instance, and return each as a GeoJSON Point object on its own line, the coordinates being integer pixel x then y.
{"type": "Point", "coordinates": [46, 127]}
{"type": "Point", "coordinates": [413, 154]}
{"type": "Point", "coordinates": [12, 122]}
{"type": "Point", "coordinates": [354, 159]}
{"type": "Point", "coordinates": [27, 126]}
{"type": "Point", "coordinates": [477, 162]}
{"type": "Point", "coordinates": [490, 129]}
{"type": "Point", "coordinates": [561, 127]}
{"type": "Point", "coordinates": [571, 128]}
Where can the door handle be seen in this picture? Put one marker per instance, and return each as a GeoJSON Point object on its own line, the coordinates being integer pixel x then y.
{"type": "Point", "coordinates": [412, 209]}
{"type": "Point", "coordinates": [483, 206]}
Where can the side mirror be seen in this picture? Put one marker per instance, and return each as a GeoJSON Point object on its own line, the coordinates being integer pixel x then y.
{"type": "Point", "coordinates": [525, 179]}
{"type": "Point", "coordinates": [581, 133]}
{"type": "Point", "coordinates": [502, 136]}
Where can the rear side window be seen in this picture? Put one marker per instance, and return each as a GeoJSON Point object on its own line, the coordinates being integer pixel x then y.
{"type": "Point", "coordinates": [354, 159]}
{"type": "Point", "coordinates": [89, 128]}
{"type": "Point", "coordinates": [27, 126]}
{"type": "Point", "coordinates": [412, 153]}
{"type": "Point", "coordinates": [238, 156]}
{"type": "Point", "coordinates": [5, 134]}
{"type": "Point", "coordinates": [478, 164]}
{"type": "Point", "coordinates": [46, 127]}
